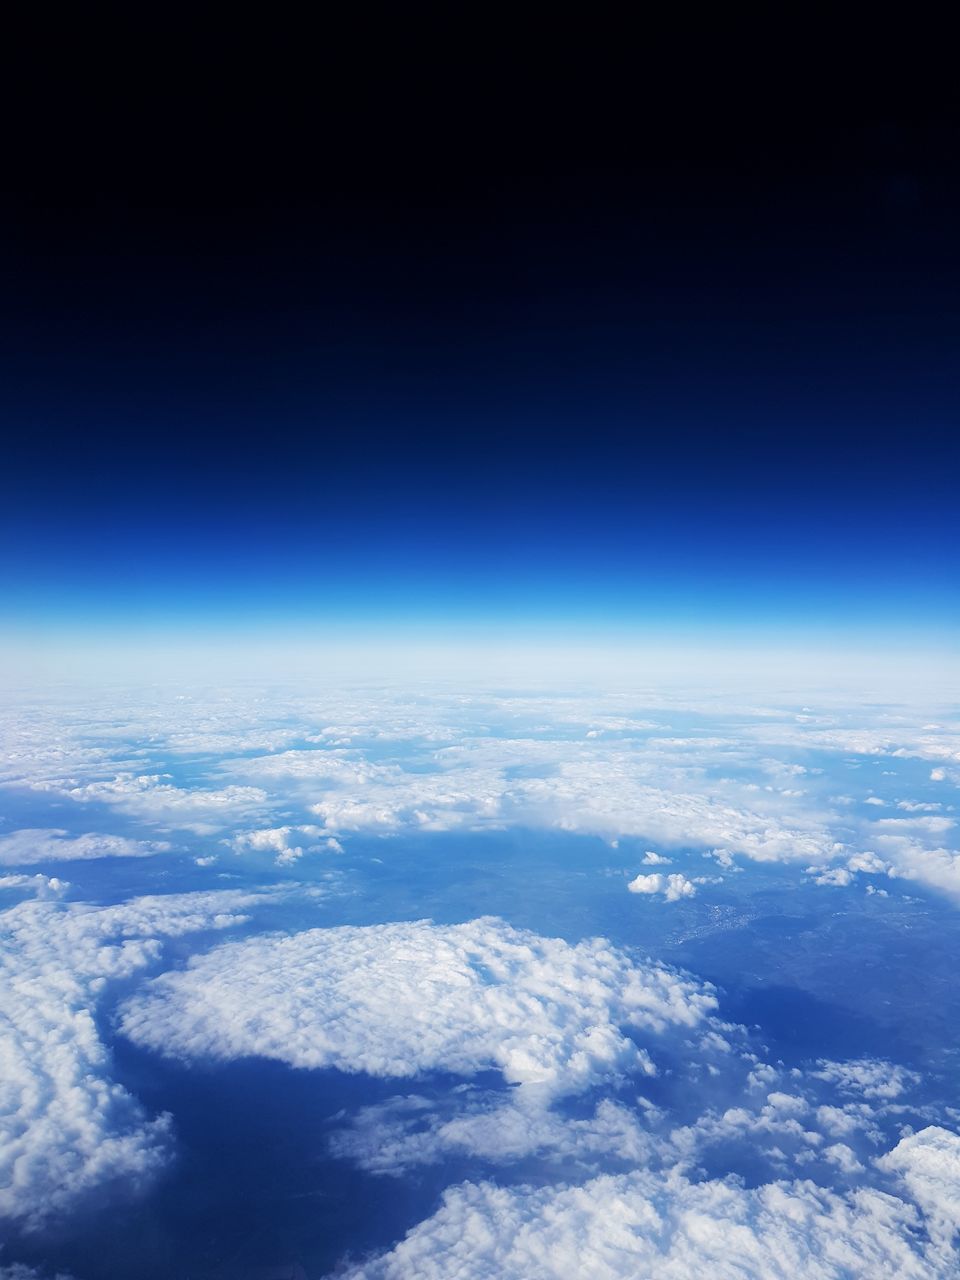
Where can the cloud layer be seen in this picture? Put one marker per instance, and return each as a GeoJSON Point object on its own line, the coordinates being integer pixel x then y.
{"type": "Point", "coordinates": [691, 771]}
{"type": "Point", "coordinates": [399, 999]}
{"type": "Point", "coordinates": [625, 1085]}
{"type": "Point", "coordinates": [645, 1224]}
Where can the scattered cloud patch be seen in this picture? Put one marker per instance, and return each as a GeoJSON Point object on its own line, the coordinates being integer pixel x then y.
{"type": "Point", "coordinates": [39, 885]}
{"type": "Point", "coordinates": [277, 840]}
{"type": "Point", "coordinates": [393, 1137]}
{"type": "Point", "coordinates": [672, 887]}
{"type": "Point", "coordinates": [52, 844]}
{"type": "Point", "coordinates": [870, 1078]}
{"type": "Point", "coordinates": [836, 877]}
{"type": "Point", "coordinates": [153, 798]}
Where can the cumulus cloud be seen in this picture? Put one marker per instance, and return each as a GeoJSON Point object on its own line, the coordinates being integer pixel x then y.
{"type": "Point", "coordinates": [277, 840]}
{"type": "Point", "coordinates": [52, 844]}
{"type": "Point", "coordinates": [844, 1157]}
{"type": "Point", "coordinates": [790, 1127]}
{"type": "Point", "coordinates": [40, 885]}
{"type": "Point", "coordinates": [928, 1163]}
{"type": "Point", "coordinates": [575, 1027]}
{"type": "Point", "coordinates": [914, 851]}
{"type": "Point", "coordinates": [867, 1077]}
{"type": "Point", "coordinates": [599, 791]}
{"type": "Point", "coordinates": [153, 798]}
{"type": "Point", "coordinates": [788, 1119]}
{"type": "Point", "coordinates": [664, 1225]}
{"type": "Point", "coordinates": [836, 877]}
{"type": "Point", "coordinates": [390, 1137]}
{"type": "Point", "coordinates": [382, 763]}
{"type": "Point", "coordinates": [673, 887]}
{"type": "Point", "coordinates": [400, 999]}
{"type": "Point", "coordinates": [65, 1127]}
{"type": "Point", "coordinates": [865, 863]}
{"type": "Point", "coordinates": [868, 863]}
{"type": "Point", "coordinates": [832, 1117]}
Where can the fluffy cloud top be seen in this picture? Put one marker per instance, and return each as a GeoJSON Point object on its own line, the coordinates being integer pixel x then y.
{"type": "Point", "coordinates": [39, 884]}
{"type": "Point", "coordinates": [391, 1137]}
{"type": "Point", "coordinates": [51, 844]}
{"type": "Point", "coordinates": [597, 790]}
{"type": "Point", "coordinates": [65, 1127]}
{"type": "Point", "coordinates": [277, 840]}
{"type": "Point", "coordinates": [928, 1163]}
{"type": "Point", "coordinates": [673, 887]}
{"type": "Point", "coordinates": [400, 999]}
{"type": "Point", "coordinates": [644, 1224]}
{"type": "Point", "coordinates": [153, 798]}
{"type": "Point", "coordinates": [382, 762]}
{"type": "Point", "coordinates": [867, 1077]}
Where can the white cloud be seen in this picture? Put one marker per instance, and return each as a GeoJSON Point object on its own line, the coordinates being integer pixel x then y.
{"type": "Point", "coordinates": [391, 1137]}
{"type": "Point", "coordinates": [843, 1121]}
{"type": "Point", "coordinates": [915, 859]}
{"type": "Point", "coordinates": [65, 1127]}
{"type": "Point", "coordinates": [926, 826]}
{"type": "Point", "coordinates": [673, 887]}
{"type": "Point", "coordinates": [786, 1117]}
{"type": "Point", "coordinates": [865, 863]}
{"type": "Point", "coordinates": [868, 863]}
{"type": "Point", "coordinates": [844, 1157]}
{"type": "Point", "coordinates": [40, 885]}
{"type": "Point", "coordinates": [928, 1163]}
{"type": "Point", "coordinates": [836, 877]}
{"type": "Point", "coordinates": [152, 798]}
{"type": "Point", "coordinates": [600, 791]}
{"type": "Point", "coordinates": [906, 741]}
{"type": "Point", "coordinates": [663, 1225]}
{"type": "Point", "coordinates": [277, 840]}
{"type": "Point", "coordinates": [52, 844]}
{"type": "Point", "coordinates": [400, 999]}
{"type": "Point", "coordinates": [385, 763]}
{"type": "Point", "coordinates": [336, 767]}
{"type": "Point", "coordinates": [867, 1077]}
{"type": "Point", "coordinates": [652, 859]}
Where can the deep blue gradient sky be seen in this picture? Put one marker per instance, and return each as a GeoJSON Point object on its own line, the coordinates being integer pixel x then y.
{"type": "Point", "coordinates": [446, 350]}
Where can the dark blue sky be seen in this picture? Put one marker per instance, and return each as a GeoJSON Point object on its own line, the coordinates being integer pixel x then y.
{"type": "Point", "coordinates": [600, 336]}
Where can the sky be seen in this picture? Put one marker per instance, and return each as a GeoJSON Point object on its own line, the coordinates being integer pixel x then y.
{"type": "Point", "coordinates": [411, 345]}
{"type": "Point", "coordinates": [479, 698]}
